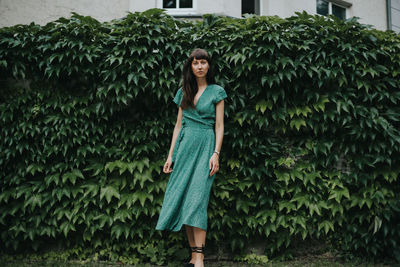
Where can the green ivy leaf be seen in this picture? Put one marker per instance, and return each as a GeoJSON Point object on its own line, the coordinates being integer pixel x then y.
{"type": "Point", "coordinates": [108, 192]}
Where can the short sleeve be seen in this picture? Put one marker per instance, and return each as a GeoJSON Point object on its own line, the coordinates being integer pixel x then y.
{"type": "Point", "coordinates": [220, 94]}
{"type": "Point", "coordinates": [178, 97]}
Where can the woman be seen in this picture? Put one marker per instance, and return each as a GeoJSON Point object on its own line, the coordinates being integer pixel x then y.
{"type": "Point", "coordinates": [193, 157]}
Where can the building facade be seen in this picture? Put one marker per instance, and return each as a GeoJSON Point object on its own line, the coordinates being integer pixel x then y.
{"type": "Point", "coordinates": [381, 14]}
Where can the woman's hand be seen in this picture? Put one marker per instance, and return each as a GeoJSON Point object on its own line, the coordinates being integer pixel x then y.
{"type": "Point", "coordinates": [214, 164]}
{"type": "Point", "coordinates": [168, 165]}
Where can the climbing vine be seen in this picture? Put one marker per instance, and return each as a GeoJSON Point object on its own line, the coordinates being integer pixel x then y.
{"type": "Point", "coordinates": [311, 147]}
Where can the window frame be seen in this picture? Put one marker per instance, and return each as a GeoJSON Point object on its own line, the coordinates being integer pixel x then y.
{"type": "Point", "coordinates": [330, 3]}
{"type": "Point", "coordinates": [179, 10]}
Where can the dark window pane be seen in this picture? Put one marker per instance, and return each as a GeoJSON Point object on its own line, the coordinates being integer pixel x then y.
{"type": "Point", "coordinates": [185, 3]}
{"type": "Point", "coordinates": [257, 7]}
{"type": "Point", "coordinates": [322, 7]}
{"type": "Point", "coordinates": [248, 6]}
{"type": "Point", "coordinates": [339, 11]}
{"type": "Point", "coordinates": [169, 3]}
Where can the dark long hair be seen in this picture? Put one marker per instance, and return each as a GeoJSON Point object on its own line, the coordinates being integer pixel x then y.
{"type": "Point", "coordinates": [189, 82]}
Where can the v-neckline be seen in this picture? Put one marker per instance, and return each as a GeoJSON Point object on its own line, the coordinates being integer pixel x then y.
{"type": "Point", "coordinates": [195, 105]}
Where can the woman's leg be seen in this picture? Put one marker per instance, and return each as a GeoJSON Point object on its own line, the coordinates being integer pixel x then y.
{"type": "Point", "coordinates": [199, 240]}
{"type": "Point", "coordinates": [190, 236]}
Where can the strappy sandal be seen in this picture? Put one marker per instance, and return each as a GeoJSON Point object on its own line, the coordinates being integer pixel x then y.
{"type": "Point", "coordinates": [195, 250]}
{"type": "Point", "coordinates": [190, 255]}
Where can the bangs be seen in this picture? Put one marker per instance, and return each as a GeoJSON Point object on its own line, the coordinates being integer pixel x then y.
{"type": "Point", "coordinates": [199, 54]}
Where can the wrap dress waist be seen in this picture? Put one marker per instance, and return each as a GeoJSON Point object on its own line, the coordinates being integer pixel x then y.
{"type": "Point", "coordinates": [187, 124]}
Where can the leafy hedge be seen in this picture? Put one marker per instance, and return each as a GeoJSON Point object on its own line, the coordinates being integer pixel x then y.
{"type": "Point", "coordinates": [311, 146]}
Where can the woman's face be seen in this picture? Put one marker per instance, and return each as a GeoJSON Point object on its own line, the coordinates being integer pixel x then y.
{"type": "Point", "coordinates": [200, 67]}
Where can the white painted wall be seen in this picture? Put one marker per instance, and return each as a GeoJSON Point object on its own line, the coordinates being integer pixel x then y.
{"type": "Point", "coordinates": [370, 12]}
{"type": "Point", "coordinates": [233, 8]}
{"type": "Point", "coordinates": [222, 7]}
{"type": "Point", "coordinates": [42, 11]}
{"type": "Point", "coordinates": [286, 8]}
{"type": "Point", "coordinates": [141, 5]}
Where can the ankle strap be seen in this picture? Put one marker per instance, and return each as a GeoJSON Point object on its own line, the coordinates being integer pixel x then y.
{"type": "Point", "coordinates": [198, 249]}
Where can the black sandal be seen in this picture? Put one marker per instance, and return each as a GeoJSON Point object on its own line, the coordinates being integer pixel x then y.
{"type": "Point", "coordinates": [190, 255]}
{"type": "Point", "coordinates": [198, 249]}
{"type": "Point", "coordinates": [195, 250]}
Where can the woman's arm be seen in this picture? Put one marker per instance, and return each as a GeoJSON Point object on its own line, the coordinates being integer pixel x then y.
{"type": "Point", "coordinates": [219, 135]}
{"type": "Point", "coordinates": [177, 127]}
{"type": "Point", "coordinates": [219, 124]}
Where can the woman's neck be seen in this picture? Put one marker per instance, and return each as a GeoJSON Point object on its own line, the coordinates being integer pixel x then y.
{"type": "Point", "coordinates": [201, 83]}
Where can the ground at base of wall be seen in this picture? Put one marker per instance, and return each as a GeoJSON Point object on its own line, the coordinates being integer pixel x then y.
{"type": "Point", "coordinates": [316, 261]}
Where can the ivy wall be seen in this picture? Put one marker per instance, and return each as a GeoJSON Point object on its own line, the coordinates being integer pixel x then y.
{"type": "Point", "coordinates": [311, 147]}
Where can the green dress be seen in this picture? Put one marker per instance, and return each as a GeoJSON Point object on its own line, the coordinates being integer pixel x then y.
{"type": "Point", "coordinates": [188, 189]}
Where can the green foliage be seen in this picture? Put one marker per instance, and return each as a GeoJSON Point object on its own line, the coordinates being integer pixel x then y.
{"type": "Point", "coordinates": [311, 146]}
{"type": "Point", "coordinates": [252, 259]}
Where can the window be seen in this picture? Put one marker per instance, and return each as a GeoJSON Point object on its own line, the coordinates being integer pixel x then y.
{"type": "Point", "coordinates": [251, 7]}
{"type": "Point", "coordinates": [326, 8]}
{"type": "Point", "coordinates": [322, 7]}
{"type": "Point", "coordinates": [339, 11]}
{"type": "Point", "coordinates": [177, 5]}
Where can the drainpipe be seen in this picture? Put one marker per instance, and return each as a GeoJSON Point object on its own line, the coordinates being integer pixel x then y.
{"type": "Point", "coordinates": [389, 14]}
